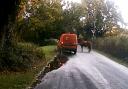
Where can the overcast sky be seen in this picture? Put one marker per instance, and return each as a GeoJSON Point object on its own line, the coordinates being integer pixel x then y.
{"type": "Point", "coordinates": [123, 7]}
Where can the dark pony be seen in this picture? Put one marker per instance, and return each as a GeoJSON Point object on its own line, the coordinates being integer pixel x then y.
{"type": "Point", "coordinates": [85, 43]}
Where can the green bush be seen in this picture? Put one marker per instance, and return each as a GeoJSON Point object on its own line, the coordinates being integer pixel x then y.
{"type": "Point", "coordinates": [116, 46]}
{"type": "Point", "coordinates": [50, 42]}
{"type": "Point", "coordinates": [20, 57]}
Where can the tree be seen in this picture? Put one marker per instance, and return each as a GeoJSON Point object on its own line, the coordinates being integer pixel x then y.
{"type": "Point", "coordinates": [102, 16]}
{"type": "Point", "coordinates": [9, 10]}
{"type": "Point", "coordinates": [43, 22]}
{"type": "Point", "coordinates": [72, 17]}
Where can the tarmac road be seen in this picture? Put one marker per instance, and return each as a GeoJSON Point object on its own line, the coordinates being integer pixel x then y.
{"type": "Point", "coordinates": [87, 71]}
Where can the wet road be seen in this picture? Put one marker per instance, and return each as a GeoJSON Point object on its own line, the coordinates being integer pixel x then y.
{"type": "Point", "coordinates": [87, 71]}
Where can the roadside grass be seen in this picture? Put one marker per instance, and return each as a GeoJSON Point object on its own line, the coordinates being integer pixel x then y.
{"type": "Point", "coordinates": [114, 46]}
{"type": "Point", "coordinates": [15, 80]}
{"type": "Point", "coordinates": [49, 51]}
{"type": "Point", "coordinates": [22, 80]}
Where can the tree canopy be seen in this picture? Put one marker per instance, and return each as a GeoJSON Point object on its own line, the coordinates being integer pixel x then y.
{"type": "Point", "coordinates": [44, 19]}
{"type": "Point", "coordinates": [102, 16]}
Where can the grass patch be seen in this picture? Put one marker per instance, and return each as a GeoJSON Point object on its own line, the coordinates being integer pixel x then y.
{"type": "Point", "coordinates": [15, 80]}
{"type": "Point", "coordinates": [49, 51]}
{"type": "Point", "coordinates": [22, 80]}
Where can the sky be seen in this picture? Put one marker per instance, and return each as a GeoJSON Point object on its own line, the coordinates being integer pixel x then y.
{"type": "Point", "coordinates": [123, 7]}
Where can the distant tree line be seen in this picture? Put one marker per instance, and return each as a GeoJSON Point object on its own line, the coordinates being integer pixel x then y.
{"type": "Point", "coordinates": [46, 19]}
{"type": "Point", "coordinates": [37, 20]}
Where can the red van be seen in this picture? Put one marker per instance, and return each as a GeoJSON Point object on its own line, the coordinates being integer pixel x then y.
{"type": "Point", "coordinates": [67, 42]}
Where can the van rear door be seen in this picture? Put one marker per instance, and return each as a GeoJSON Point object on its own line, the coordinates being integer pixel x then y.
{"type": "Point", "coordinates": [69, 39]}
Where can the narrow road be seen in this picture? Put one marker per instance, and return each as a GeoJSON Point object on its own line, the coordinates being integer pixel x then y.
{"type": "Point", "coordinates": [87, 71]}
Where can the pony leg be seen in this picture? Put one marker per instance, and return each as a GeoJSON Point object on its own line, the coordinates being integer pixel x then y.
{"type": "Point", "coordinates": [81, 48]}
{"type": "Point", "coordinates": [89, 47]}
{"type": "Point", "coordinates": [89, 50]}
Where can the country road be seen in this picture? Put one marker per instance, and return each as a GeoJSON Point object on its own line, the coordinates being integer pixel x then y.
{"type": "Point", "coordinates": [87, 71]}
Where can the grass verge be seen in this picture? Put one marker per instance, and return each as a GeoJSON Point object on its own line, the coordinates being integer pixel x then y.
{"type": "Point", "coordinates": [22, 80]}
{"type": "Point", "coordinates": [49, 51]}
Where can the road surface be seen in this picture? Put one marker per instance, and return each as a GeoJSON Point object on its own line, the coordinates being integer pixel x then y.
{"type": "Point", "coordinates": [87, 71]}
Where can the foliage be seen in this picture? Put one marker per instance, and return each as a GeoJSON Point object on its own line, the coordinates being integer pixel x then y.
{"type": "Point", "coordinates": [113, 45]}
{"type": "Point", "coordinates": [50, 42]}
{"type": "Point", "coordinates": [49, 20]}
{"type": "Point", "coordinates": [71, 17]}
{"type": "Point", "coordinates": [21, 57]}
{"type": "Point", "coordinates": [22, 80]}
{"type": "Point", "coordinates": [49, 51]}
{"type": "Point", "coordinates": [114, 32]}
{"type": "Point", "coordinates": [9, 10]}
{"type": "Point", "coordinates": [101, 17]}
{"type": "Point", "coordinates": [15, 80]}
{"type": "Point", "coordinates": [43, 21]}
